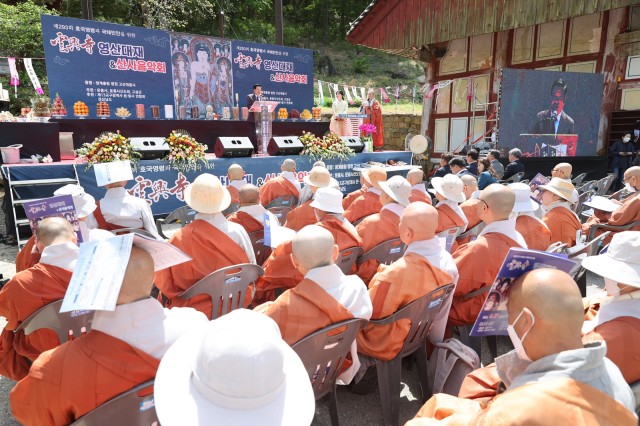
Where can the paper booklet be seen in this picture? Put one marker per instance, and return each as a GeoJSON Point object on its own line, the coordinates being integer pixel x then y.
{"type": "Point", "coordinates": [535, 183]}
{"type": "Point", "coordinates": [492, 319]}
{"type": "Point", "coordinates": [60, 206]}
{"type": "Point", "coordinates": [274, 234]}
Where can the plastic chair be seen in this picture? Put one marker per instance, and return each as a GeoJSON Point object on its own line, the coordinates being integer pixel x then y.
{"type": "Point", "coordinates": [603, 226]}
{"type": "Point", "coordinates": [473, 232]}
{"type": "Point", "coordinates": [347, 258]}
{"type": "Point", "coordinates": [603, 185]}
{"type": "Point", "coordinates": [261, 251]}
{"type": "Point", "coordinates": [577, 254]}
{"type": "Point", "coordinates": [421, 313]}
{"type": "Point", "coordinates": [281, 206]}
{"type": "Point", "coordinates": [386, 252]}
{"type": "Point", "coordinates": [123, 231]}
{"type": "Point", "coordinates": [180, 216]}
{"type": "Point", "coordinates": [231, 209]}
{"type": "Point", "coordinates": [323, 353]}
{"type": "Point", "coordinates": [133, 407]}
{"type": "Point", "coordinates": [66, 324]}
{"type": "Point", "coordinates": [515, 178]}
{"type": "Point", "coordinates": [450, 235]}
{"type": "Point", "coordinates": [588, 186]}
{"type": "Point", "coordinates": [579, 205]}
{"type": "Point", "coordinates": [557, 247]}
{"type": "Point", "coordinates": [578, 179]}
{"type": "Point", "coordinates": [226, 287]}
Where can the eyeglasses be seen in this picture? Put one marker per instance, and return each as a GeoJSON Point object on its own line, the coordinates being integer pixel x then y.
{"type": "Point", "coordinates": [485, 203]}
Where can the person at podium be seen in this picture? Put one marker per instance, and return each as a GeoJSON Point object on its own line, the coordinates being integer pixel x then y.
{"type": "Point", "coordinates": [253, 97]}
{"type": "Point", "coordinates": [554, 121]}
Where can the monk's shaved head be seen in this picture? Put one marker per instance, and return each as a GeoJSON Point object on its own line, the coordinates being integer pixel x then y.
{"type": "Point", "coordinates": [632, 177]}
{"type": "Point", "coordinates": [312, 247]}
{"type": "Point", "coordinates": [288, 165]}
{"type": "Point", "coordinates": [249, 194]}
{"type": "Point", "coordinates": [564, 170]}
{"type": "Point", "coordinates": [556, 304]}
{"type": "Point", "coordinates": [319, 163]}
{"type": "Point", "coordinates": [235, 172]}
{"type": "Point", "coordinates": [469, 180]}
{"type": "Point", "coordinates": [500, 200]}
{"type": "Point", "coordinates": [418, 222]}
{"type": "Point", "coordinates": [54, 230]}
{"type": "Point", "coordinates": [633, 171]}
{"type": "Point", "coordinates": [138, 277]}
{"type": "Point", "coordinates": [415, 176]}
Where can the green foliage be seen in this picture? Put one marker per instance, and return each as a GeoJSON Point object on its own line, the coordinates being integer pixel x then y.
{"type": "Point", "coordinates": [360, 65]}
{"type": "Point", "coordinates": [20, 29]}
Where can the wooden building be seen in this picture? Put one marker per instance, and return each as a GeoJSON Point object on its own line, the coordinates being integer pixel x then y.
{"type": "Point", "coordinates": [472, 40]}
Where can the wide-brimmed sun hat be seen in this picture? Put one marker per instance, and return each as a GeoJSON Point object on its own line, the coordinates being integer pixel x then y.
{"type": "Point", "coordinates": [207, 195]}
{"type": "Point", "coordinates": [398, 188]}
{"type": "Point", "coordinates": [328, 200]}
{"type": "Point", "coordinates": [85, 203]}
{"type": "Point", "coordinates": [374, 175]}
{"type": "Point", "coordinates": [450, 187]}
{"type": "Point", "coordinates": [561, 188]}
{"type": "Point", "coordinates": [319, 177]}
{"type": "Point", "coordinates": [524, 202]}
{"type": "Point", "coordinates": [621, 262]}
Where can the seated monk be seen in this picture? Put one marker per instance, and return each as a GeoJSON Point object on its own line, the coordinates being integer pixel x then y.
{"type": "Point", "coordinates": [614, 315]}
{"type": "Point", "coordinates": [236, 180]}
{"type": "Point", "coordinates": [551, 377]}
{"type": "Point", "coordinates": [30, 290]}
{"type": "Point", "coordinates": [424, 267]}
{"type": "Point", "coordinates": [369, 202]}
{"type": "Point", "coordinates": [629, 212]}
{"type": "Point", "coordinates": [469, 207]}
{"type": "Point", "coordinates": [122, 350]}
{"type": "Point", "coordinates": [301, 216]}
{"type": "Point", "coordinates": [562, 171]}
{"type": "Point", "coordinates": [305, 192]}
{"type": "Point", "coordinates": [557, 198]}
{"type": "Point", "coordinates": [380, 227]}
{"type": "Point", "coordinates": [602, 208]}
{"type": "Point", "coordinates": [279, 271]}
{"type": "Point", "coordinates": [534, 231]}
{"type": "Point", "coordinates": [449, 195]}
{"type": "Point", "coordinates": [325, 295]}
{"type": "Point", "coordinates": [211, 241]}
{"type": "Point", "coordinates": [351, 197]}
{"type": "Point", "coordinates": [85, 204]}
{"type": "Point", "coordinates": [118, 209]}
{"type": "Point", "coordinates": [479, 261]}
{"type": "Point", "coordinates": [250, 214]}
{"type": "Point", "coordinates": [285, 184]}
{"type": "Point", "coordinates": [418, 190]}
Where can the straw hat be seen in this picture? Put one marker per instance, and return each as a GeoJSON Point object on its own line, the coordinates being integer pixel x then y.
{"type": "Point", "coordinates": [524, 202]}
{"type": "Point", "coordinates": [374, 175]}
{"type": "Point", "coordinates": [450, 187]}
{"type": "Point", "coordinates": [84, 203]}
{"type": "Point", "coordinates": [207, 195]}
{"type": "Point", "coordinates": [235, 370]}
{"type": "Point", "coordinates": [561, 188]}
{"type": "Point", "coordinates": [602, 203]}
{"type": "Point", "coordinates": [328, 200]}
{"type": "Point", "coordinates": [318, 177]}
{"type": "Point", "coordinates": [398, 188]}
{"type": "Point", "coordinates": [621, 262]}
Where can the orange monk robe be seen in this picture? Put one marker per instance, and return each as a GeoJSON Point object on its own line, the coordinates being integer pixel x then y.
{"type": "Point", "coordinates": [304, 309]}
{"type": "Point", "coordinates": [26, 257]}
{"type": "Point", "coordinates": [447, 218]}
{"type": "Point", "coordinates": [628, 213]}
{"type": "Point", "coordinates": [351, 197]}
{"type": "Point", "coordinates": [365, 205]}
{"type": "Point", "coordinates": [478, 264]}
{"type": "Point", "coordinates": [301, 216]}
{"type": "Point", "coordinates": [376, 229]}
{"type": "Point", "coordinates": [248, 222]}
{"type": "Point", "coordinates": [560, 401]}
{"type": "Point", "coordinates": [563, 225]}
{"type": "Point", "coordinates": [375, 117]}
{"type": "Point", "coordinates": [537, 236]}
{"type": "Point", "coordinates": [277, 187]}
{"type": "Point", "coordinates": [417, 195]}
{"type": "Point", "coordinates": [73, 379]}
{"type": "Point", "coordinates": [279, 271]}
{"type": "Point", "coordinates": [235, 194]}
{"type": "Point", "coordinates": [210, 250]}
{"type": "Point", "coordinates": [470, 210]}
{"type": "Point", "coordinates": [393, 287]}
{"type": "Point", "coordinates": [27, 292]}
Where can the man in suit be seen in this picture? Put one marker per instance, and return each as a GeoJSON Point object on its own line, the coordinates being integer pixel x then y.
{"type": "Point", "coordinates": [458, 167]}
{"type": "Point", "coordinates": [255, 96]}
{"type": "Point", "coordinates": [472, 162]}
{"type": "Point", "coordinates": [555, 121]}
{"type": "Point", "coordinates": [444, 168]}
{"type": "Point", "coordinates": [515, 164]}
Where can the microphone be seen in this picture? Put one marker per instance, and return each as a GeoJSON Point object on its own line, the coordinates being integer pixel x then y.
{"type": "Point", "coordinates": [554, 115]}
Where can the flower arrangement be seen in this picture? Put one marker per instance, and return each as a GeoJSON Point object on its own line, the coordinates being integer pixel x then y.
{"type": "Point", "coordinates": [106, 148]}
{"type": "Point", "coordinates": [366, 131]}
{"type": "Point", "coordinates": [185, 153]}
{"type": "Point", "coordinates": [326, 148]}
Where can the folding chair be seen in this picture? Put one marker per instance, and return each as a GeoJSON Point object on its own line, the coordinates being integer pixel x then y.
{"type": "Point", "coordinates": [323, 353]}
{"type": "Point", "coordinates": [261, 251]}
{"type": "Point", "coordinates": [578, 179]}
{"type": "Point", "coordinates": [226, 287]}
{"type": "Point", "coordinates": [133, 407]}
{"type": "Point", "coordinates": [66, 325]}
{"type": "Point", "coordinates": [386, 252]}
{"type": "Point", "coordinates": [281, 206]}
{"type": "Point", "coordinates": [604, 227]}
{"type": "Point", "coordinates": [178, 218]}
{"type": "Point", "coordinates": [347, 258]}
{"type": "Point", "coordinates": [142, 232]}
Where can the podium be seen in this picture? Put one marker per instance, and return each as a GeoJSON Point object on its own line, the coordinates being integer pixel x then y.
{"type": "Point", "coordinates": [262, 113]}
{"type": "Point", "coordinates": [549, 145]}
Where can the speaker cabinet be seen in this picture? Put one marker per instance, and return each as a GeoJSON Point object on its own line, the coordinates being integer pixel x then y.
{"type": "Point", "coordinates": [284, 145]}
{"type": "Point", "coordinates": [151, 148]}
{"type": "Point", "coordinates": [353, 142]}
{"type": "Point", "coordinates": [239, 146]}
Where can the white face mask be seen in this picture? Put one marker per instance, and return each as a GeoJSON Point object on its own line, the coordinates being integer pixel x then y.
{"type": "Point", "coordinates": [626, 139]}
{"type": "Point", "coordinates": [629, 188]}
{"type": "Point", "coordinates": [516, 340]}
{"type": "Point", "coordinates": [611, 287]}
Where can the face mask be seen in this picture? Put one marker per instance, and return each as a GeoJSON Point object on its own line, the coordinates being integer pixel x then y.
{"type": "Point", "coordinates": [629, 188]}
{"type": "Point", "coordinates": [626, 139]}
{"type": "Point", "coordinates": [611, 287]}
{"type": "Point", "coordinates": [517, 342]}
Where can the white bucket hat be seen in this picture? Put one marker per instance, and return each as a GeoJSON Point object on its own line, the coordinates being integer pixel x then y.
{"type": "Point", "coordinates": [621, 262]}
{"type": "Point", "coordinates": [398, 188]}
{"type": "Point", "coordinates": [374, 175]}
{"type": "Point", "coordinates": [85, 204]}
{"type": "Point", "coordinates": [524, 202]}
{"type": "Point", "coordinates": [450, 187]}
{"type": "Point", "coordinates": [236, 370]}
{"type": "Point", "coordinates": [561, 188]}
{"type": "Point", "coordinates": [207, 195]}
{"type": "Point", "coordinates": [318, 177]}
{"type": "Point", "coordinates": [328, 200]}
{"type": "Point", "coordinates": [602, 203]}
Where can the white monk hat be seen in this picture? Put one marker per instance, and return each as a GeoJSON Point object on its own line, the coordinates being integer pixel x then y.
{"type": "Point", "coordinates": [450, 187]}
{"type": "Point", "coordinates": [602, 203]}
{"type": "Point", "coordinates": [374, 175]}
{"type": "Point", "coordinates": [523, 203]}
{"type": "Point", "coordinates": [319, 177]}
{"type": "Point", "coordinates": [85, 204]}
{"type": "Point", "coordinates": [398, 188]}
{"type": "Point", "coordinates": [621, 262]}
{"type": "Point", "coordinates": [236, 370]}
{"type": "Point", "coordinates": [561, 188]}
{"type": "Point", "coordinates": [328, 200]}
{"type": "Point", "coordinates": [207, 195]}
